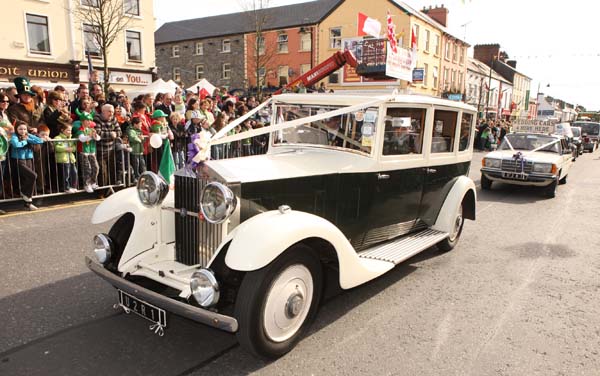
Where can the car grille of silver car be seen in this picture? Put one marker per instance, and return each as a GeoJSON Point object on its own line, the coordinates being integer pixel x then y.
{"type": "Point", "coordinates": [196, 240]}
{"type": "Point", "coordinates": [512, 165]}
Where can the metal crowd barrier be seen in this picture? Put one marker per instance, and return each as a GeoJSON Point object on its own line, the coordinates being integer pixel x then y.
{"type": "Point", "coordinates": [115, 167]}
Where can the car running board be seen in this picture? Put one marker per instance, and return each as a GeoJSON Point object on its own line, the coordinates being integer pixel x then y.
{"type": "Point", "coordinates": [405, 247]}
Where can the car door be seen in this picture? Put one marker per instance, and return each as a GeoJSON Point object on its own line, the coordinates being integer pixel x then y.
{"type": "Point", "coordinates": [393, 199]}
{"type": "Point", "coordinates": [444, 164]}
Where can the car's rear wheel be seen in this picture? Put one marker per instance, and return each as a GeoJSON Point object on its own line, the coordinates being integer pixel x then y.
{"type": "Point", "coordinates": [486, 184]}
{"type": "Point", "coordinates": [450, 242]}
{"type": "Point", "coordinates": [277, 303]}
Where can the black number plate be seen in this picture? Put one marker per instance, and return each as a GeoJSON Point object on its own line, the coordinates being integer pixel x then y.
{"type": "Point", "coordinates": [514, 175]}
{"type": "Point", "coordinates": [140, 307]}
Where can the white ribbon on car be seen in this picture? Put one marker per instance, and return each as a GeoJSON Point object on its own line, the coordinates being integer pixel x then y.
{"type": "Point", "coordinates": [201, 156]}
{"type": "Point", "coordinates": [534, 150]}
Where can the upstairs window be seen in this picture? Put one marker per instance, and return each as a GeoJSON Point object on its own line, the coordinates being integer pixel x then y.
{"type": "Point", "coordinates": [260, 41]}
{"type": "Point", "coordinates": [134, 45]}
{"type": "Point", "coordinates": [282, 43]}
{"type": "Point", "coordinates": [335, 37]}
{"type": "Point", "coordinates": [90, 39]}
{"type": "Point", "coordinates": [199, 71]}
{"type": "Point", "coordinates": [176, 74]}
{"type": "Point", "coordinates": [226, 45]}
{"type": "Point", "coordinates": [199, 48]}
{"type": "Point", "coordinates": [305, 41]}
{"type": "Point", "coordinates": [427, 36]}
{"type": "Point", "coordinates": [37, 33]}
{"type": "Point", "coordinates": [90, 3]}
{"type": "Point", "coordinates": [175, 51]}
{"type": "Point", "coordinates": [131, 7]}
{"type": "Point", "coordinates": [226, 72]}
{"type": "Point", "coordinates": [436, 47]}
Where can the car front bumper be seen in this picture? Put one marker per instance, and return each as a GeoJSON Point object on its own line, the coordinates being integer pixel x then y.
{"type": "Point", "coordinates": [536, 179]}
{"type": "Point", "coordinates": [188, 311]}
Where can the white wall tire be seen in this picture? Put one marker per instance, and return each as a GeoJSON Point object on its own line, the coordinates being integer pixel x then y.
{"type": "Point", "coordinates": [277, 303]}
{"type": "Point", "coordinates": [450, 242]}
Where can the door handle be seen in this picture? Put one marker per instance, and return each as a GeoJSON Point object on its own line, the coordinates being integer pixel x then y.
{"type": "Point", "coordinates": [431, 170]}
{"type": "Point", "coordinates": [383, 176]}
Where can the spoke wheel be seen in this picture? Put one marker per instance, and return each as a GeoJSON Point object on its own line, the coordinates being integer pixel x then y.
{"type": "Point", "coordinates": [276, 304]}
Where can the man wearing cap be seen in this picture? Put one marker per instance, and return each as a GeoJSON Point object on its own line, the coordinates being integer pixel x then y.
{"type": "Point", "coordinates": [25, 109]}
{"type": "Point", "coordinates": [109, 130]}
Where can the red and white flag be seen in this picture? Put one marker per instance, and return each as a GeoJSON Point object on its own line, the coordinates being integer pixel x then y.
{"type": "Point", "coordinates": [413, 46]}
{"type": "Point", "coordinates": [368, 26]}
{"type": "Point", "coordinates": [391, 33]}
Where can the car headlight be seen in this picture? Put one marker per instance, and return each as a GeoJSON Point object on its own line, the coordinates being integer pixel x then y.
{"type": "Point", "coordinates": [152, 189]}
{"type": "Point", "coordinates": [217, 202]}
{"type": "Point", "coordinates": [103, 248]}
{"type": "Point", "coordinates": [204, 287]}
{"type": "Point", "coordinates": [544, 168]}
{"type": "Point", "coordinates": [492, 162]}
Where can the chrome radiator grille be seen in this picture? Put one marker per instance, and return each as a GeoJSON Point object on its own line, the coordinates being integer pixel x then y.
{"type": "Point", "coordinates": [195, 240]}
{"type": "Point", "coordinates": [513, 166]}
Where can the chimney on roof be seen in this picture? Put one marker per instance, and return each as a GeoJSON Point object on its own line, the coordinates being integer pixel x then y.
{"type": "Point", "coordinates": [512, 63]}
{"type": "Point", "coordinates": [439, 14]}
{"type": "Point", "coordinates": [486, 52]}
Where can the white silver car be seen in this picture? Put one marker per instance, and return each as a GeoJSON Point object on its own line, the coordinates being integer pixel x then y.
{"type": "Point", "coordinates": [351, 185]}
{"type": "Point", "coordinates": [532, 159]}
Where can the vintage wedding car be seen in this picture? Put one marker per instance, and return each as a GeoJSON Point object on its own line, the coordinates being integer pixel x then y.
{"type": "Point", "coordinates": [351, 185]}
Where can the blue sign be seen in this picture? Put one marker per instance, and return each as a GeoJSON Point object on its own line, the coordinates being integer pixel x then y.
{"type": "Point", "coordinates": [418, 75]}
{"type": "Point", "coordinates": [455, 97]}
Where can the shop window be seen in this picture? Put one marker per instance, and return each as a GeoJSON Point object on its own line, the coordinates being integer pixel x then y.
{"type": "Point", "coordinates": [37, 33]}
{"type": "Point", "coordinates": [404, 129]}
{"type": "Point", "coordinates": [444, 130]}
{"type": "Point", "coordinates": [134, 46]}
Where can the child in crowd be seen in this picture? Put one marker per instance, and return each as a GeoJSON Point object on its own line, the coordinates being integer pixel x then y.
{"type": "Point", "coordinates": [45, 167]}
{"type": "Point", "coordinates": [161, 127]}
{"type": "Point", "coordinates": [65, 158]}
{"type": "Point", "coordinates": [21, 154]}
{"type": "Point", "coordinates": [179, 138]}
{"type": "Point", "coordinates": [136, 142]}
{"type": "Point", "coordinates": [87, 151]}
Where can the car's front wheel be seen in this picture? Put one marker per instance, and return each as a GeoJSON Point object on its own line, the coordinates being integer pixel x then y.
{"type": "Point", "coordinates": [550, 190]}
{"type": "Point", "coordinates": [276, 304]}
{"type": "Point", "coordinates": [486, 184]}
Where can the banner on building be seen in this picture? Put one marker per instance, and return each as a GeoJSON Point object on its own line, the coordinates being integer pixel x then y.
{"type": "Point", "coordinates": [399, 64]}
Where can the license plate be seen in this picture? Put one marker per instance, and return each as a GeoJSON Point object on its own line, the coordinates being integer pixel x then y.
{"type": "Point", "coordinates": [143, 309]}
{"type": "Point", "coordinates": [514, 175]}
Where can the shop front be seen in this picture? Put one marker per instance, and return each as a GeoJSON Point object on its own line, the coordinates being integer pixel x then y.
{"type": "Point", "coordinates": [121, 79]}
{"type": "Point", "coordinates": [45, 75]}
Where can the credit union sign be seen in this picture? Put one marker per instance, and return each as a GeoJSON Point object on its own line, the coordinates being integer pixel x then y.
{"type": "Point", "coordinates": [10, 69]}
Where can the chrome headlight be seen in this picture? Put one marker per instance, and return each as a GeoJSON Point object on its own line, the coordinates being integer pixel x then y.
{"type": "Point", "coordinates": [103, 248]}
{"type": "Point", "coordinates": [152, 189]}
{"type": "Point", "coordinates": [204, 287]}
{"type": "Point", "coordinates": [544, 168]}
{"type": "Point", "coordinates": [217, 202]}
{"type": "Point", "coordinates": [493, 162]}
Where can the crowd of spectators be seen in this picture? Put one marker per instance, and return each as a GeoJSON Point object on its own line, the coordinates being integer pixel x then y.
{"type": "Point", "coordinates": [52, 143]}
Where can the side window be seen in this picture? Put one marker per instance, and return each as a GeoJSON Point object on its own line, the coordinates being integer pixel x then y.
{"type": "Point", "coordinates": [444, 128]}
{"type": "Point", "coordinates": [404, 131]}
{"type": "Point", "coordinates": [466, 126]}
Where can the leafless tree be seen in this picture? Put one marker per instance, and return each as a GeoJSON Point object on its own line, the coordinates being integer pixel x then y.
{"type": "Point", "coordinates": [263, 53]}
{"type": "Point", "coordinates": [106, 21]}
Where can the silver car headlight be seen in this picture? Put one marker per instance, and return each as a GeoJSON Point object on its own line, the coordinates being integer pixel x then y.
{"type": "Point", "coordinates": [152, 189]}
{"type": "Point", "coordinates": [544, 168]}
{"type": "Point", "coordinates": [217, 202]}
{"type": "Point", "coordinates": [204, 287]}
{"type": "Point", "coordinates": [103, 248]}
{"type": "Point", "coordinates": [492, 162]}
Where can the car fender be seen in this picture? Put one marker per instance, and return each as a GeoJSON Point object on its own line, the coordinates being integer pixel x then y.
{"type": "Point", "coordinates": [152, 226]}
{"type": "Point", "coordinates": [260, 239]}
{"type": "Point", "coordinates": [462, 188]}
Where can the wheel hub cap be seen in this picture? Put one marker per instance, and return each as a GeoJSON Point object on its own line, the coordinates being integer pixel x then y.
{"type": "Point", "coordinates": [294, 304]}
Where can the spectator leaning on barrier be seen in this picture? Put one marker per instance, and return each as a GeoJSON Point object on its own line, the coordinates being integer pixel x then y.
{"type": "Point", "coordinates": [108, 129]}
{"type": "Point", "coordinates": [21, 157]}
{"type": "Point", "coordinates": [64, 149]}
{"type": "Point", "coordinates": [87, 135]}
{"type": "Point", "coordinates": [56, 113]}
{"type": "Point", "coordinates": [179, 138]}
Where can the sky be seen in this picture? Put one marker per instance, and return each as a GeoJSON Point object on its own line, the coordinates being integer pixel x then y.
{"type": "Point", "coordinates": [554, 43]}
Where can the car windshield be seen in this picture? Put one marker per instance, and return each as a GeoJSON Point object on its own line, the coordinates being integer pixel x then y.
{"type": "Point", "coordinates": [591, 129]}
{"type": "Point", "coordinates": [530, 142]}
{"type": "Point", "coordinates": [576, 132]}
{"type": "Point", "coordinates": [351, 131]}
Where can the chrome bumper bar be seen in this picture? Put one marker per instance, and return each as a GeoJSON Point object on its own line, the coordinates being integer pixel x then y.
{"type": "Point", "coordinates": [197, 314]}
